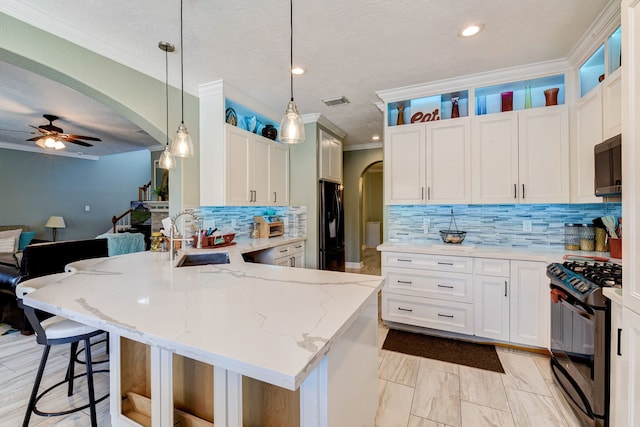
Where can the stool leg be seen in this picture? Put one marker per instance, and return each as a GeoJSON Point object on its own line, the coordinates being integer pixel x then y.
{"type": "Point", "coordinates": [92, 397]}
{"type": "Point", "coordinates": [71, 368]}
{"type": "Point", "coordinates": [36, 385]}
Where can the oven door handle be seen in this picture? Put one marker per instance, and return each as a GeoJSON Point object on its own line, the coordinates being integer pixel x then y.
{"type": "Point", "coordinates": [577, 310]}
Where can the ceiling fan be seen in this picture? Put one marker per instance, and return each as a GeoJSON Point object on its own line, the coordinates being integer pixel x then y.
{"type": "Point", "coordinates": [51, 136]}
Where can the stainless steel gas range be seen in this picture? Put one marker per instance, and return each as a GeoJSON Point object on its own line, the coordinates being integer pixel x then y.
{"type": "Point", "coordinates": [581, 335]}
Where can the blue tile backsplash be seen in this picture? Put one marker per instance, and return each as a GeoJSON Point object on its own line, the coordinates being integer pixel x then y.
{"type": "Point", "coordinates": [494, 225]}
{"type": "Point", "coordinates": [223, 217]}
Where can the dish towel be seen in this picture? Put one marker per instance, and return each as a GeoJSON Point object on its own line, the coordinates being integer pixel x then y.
{"type": "Point", "coordinates": [123, 243]}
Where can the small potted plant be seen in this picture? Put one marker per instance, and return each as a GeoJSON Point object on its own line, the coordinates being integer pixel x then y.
{"type": "Point", "coordinates": [160, 193]}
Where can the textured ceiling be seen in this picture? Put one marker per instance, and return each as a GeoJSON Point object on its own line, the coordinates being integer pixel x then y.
{"type": "Point", "coordinates": [350, 48]}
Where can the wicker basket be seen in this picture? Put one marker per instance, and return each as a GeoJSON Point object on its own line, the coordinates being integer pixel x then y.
{"type": "Point", "coordinates": [452, 235]}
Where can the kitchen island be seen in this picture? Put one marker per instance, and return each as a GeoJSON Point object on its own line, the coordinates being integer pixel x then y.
{"type": "Point", "coordinates": [235, 344]}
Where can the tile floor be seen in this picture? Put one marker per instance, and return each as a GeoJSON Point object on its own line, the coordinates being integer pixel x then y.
{"type": "Point", "coordinates": [413, 391]}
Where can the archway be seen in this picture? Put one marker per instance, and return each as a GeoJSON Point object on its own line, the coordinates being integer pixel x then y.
{"type": "Point", "coordinates": [371, 206]}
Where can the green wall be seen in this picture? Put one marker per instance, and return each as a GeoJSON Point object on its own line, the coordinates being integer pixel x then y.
{"type": "Point", "coordinates": [35, 186]}
{"type": "Point", "coordinates": [354, 164]}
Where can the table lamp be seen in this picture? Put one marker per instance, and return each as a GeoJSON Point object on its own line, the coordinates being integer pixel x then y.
{"type": "Point", "coordinates": [55, 222]}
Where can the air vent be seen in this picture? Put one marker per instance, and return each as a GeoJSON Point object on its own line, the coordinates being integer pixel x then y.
{"type": "Point", "coordinates": [335, 101]}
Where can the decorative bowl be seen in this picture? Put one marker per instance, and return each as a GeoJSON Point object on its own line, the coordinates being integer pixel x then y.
{"type": "Point", "coordinates": [452, 236]}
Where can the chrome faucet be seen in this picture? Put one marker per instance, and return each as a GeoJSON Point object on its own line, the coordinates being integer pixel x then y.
{"type": "Point", "coordinates": [196, 218]}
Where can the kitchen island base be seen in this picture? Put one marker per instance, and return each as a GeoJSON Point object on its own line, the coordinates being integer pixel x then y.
{"type": "Point", "coordinates": [151, 386]}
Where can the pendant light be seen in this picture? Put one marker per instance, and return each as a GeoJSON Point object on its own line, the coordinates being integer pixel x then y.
{"type": "Point", "coordinates": [291, 126]}
{"type": "Point", "coordinates": [182, 145]}
{"type": "Point", "coordinates": [167, 161]}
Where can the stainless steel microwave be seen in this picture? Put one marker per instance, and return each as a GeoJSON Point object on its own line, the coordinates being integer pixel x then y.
{"type": "Point", "coordinates": [608, 167]}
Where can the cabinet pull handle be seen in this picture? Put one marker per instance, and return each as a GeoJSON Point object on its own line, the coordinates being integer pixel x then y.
{"type": "Point", "coordinates": [404, 282]}
{"type": "Point", "coordinates": [450, 316]}
{"type": "Point", "coordinates": [619, 350]}
{"type": "Point", "coordinates": [445, 286]}
{"type": "Point", "coordinates": [284, 250]}
{"type": "Point", "coordinates": [523, 191]}
{"type": "Point", "coordinates": [403, 260]}
{"type": "Point", "coordinates": [405, 309]}
{"type": "Point", "coordinates": [444, 263]}
{"type": "Point", "coordinates": [293, 261]}
{"type": "Point", "coordinates": [428, 193]}
{"type": "Point", "coordinates": [421, 193]}
{"type": "Point", "coordinates": [515, 191]}
{"type": "Point", "coordinates": [298, 247]}
{"type": "Point", "coordinates": [275, 197]}
{"type": "Point", "coordinates": [505, 288]}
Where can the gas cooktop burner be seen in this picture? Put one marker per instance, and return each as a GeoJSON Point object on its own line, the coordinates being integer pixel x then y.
{"type": "Point", "coordinates": [584, 280]}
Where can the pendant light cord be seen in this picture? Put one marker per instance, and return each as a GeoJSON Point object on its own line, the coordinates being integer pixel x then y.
{"type": "Point", "coordinates": [166, 89]}
{"type": "Point", "coordinates": [182, 62]}
{"type": "Point", "coordinates": [291, 47]}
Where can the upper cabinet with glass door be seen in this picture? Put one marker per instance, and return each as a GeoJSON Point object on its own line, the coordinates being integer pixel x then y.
{"type": "Point", "coordinates": [604, 62]}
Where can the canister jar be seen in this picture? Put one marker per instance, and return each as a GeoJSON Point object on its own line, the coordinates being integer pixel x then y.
{"type": "Point", "coordinates": [587, 237]}
{"type": "Point", "coordinates": [572, 237]}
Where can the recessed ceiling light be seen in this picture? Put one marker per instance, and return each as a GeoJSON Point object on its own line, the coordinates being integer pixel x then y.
{"type": "Point", "coordinates": [470, 30]}
{"type": "Point", "coordinates": [298, 71]}
{"type": "Point", "coordinates": [375, 137]}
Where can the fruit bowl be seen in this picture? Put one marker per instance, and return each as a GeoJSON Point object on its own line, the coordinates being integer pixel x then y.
{"type": "Point", "coordinates": [452, 236]}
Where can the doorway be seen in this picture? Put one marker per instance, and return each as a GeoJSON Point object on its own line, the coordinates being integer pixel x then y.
{"type": "Point", "coordinates": [371, 215]}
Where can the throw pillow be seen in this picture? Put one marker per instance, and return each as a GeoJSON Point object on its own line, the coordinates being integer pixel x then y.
{"type": "Point", "coordinates": [13, 234]}
{"type": "Point", "coordinates": [7, 245]}
{"type": "Point", "coordinates": [25, 238]}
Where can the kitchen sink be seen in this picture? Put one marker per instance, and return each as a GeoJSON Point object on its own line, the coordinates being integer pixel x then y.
{"type": "Point", "coordinates": [189, 260]}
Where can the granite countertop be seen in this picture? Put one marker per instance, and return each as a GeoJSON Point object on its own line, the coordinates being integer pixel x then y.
{"type": "Point", "coordinates": [547, 255]}
{"type": "Point", "coordinates": [267, 322]}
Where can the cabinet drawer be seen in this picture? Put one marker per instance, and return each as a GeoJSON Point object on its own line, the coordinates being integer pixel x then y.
{"type": "Point", "coordinates": [492, 267]}
{"type": "Point", "coordinates": [427, 262]}
{"type": "Point", "coordinates": [444, 315]}
{"type": "Point", "coordinates": [431, 284]}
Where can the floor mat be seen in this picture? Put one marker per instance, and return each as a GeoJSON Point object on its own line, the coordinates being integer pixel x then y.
{"type": "Point", "coordinates": [482, 356]}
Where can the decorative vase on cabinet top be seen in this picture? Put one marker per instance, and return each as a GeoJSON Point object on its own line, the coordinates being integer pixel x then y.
{"type": "Point", "coordinates": [551, 96]}
{"type": "Point", "coordinates": [270, 132]}
{"type": "Point", "coordinates": [507, 101]}
{"type": "Point", "coordinates": [400, 115]}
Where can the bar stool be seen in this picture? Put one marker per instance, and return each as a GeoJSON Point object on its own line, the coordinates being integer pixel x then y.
{"type": "Point", "coordinates": [54, 331]}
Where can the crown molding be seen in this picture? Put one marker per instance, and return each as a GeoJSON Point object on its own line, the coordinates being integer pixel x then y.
{"type": "Point", "coordinates": [487, 78]}
{"type": "Point", "coordinates": [47, 152]}
{"type": "Point", "coordinates": [605, 24]}
{"type": "Point", "coordinates": [324, 122]}
{"type": "Point", "coordinates": [367, 146]}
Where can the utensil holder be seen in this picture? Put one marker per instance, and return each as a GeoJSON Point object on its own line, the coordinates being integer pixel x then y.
{"type": "Point", "coordinates": [615, 247]}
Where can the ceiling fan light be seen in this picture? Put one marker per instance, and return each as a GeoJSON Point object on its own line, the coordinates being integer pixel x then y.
{"type": "Point", "coordinates": [291, 126]}
{"type": "Point", "coordinates": [182, 146]}
{"type": "Point", "coordinates": [59, 145]}
{"type": "Point", "coordinates": [167, 161]}
{"type": "Point", "coordinates": [50, 142]}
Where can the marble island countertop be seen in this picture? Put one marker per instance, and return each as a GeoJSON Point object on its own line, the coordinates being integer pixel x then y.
{"type": "Point", "coordinates": [270, 323]}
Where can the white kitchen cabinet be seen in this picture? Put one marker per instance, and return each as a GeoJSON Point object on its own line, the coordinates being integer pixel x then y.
{"type": "Point", "coordinates": [287, 255]}
{"type": "Point", "coordinates": [529, 305]}
{"type": "Point", "coordinates": [521, 156]}
{"type": "Point", "coordinates": [491, 298]}
{"type": "Point", "coordinates": [404, 165]}
{"type": "Point", "coordinates": [618, 401]}
{"type": "Point", "coordinates": [330, 157]}
{"type": "Point", "coordinates": [430, 291]}
{"type": "Point", "coordinates": [428, 163]}
{"type": "Point", "coordinates": [256, 170]}
{"type": "Point", "coordinates": [279, 174]}
{"type": "Point", "coordinates": [612, 104]}
{"type": "Point", "coordinates": [495, 158]}
{"type": "Point", "coordinates": [588, 134]}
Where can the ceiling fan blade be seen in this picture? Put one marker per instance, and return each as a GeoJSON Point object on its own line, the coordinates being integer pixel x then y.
{"type": "Point", "coordinates": [34, 139]}
{"type": "Point", "coordinates": [13, 130]}
{"type": "Point", "coordinates": [76, 141]}
{"type": "Point", "coordinates": [88, 138]}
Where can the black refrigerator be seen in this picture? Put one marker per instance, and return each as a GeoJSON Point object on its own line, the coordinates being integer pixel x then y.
{"type": "Point", "coordinates": [331, 227]}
